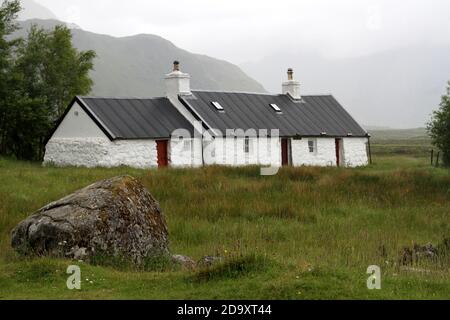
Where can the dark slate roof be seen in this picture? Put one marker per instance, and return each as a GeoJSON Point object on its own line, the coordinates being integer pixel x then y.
{"type": "Point", "coordinates": [134, 118]}
{"type": "Point", "coordinates": [310, 117]}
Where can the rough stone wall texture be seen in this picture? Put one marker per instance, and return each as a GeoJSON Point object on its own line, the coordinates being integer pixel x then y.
{"type": "Point", "coordinates": [324, 155]}
{"type": "Point", "coordinates": [355, 152]}
{"type": "Point", "coordinates": [133, 153]}
{"type": "Point", "coordinates": [99, 152]}
{"type": "Point", "coordinates": [87, 152]}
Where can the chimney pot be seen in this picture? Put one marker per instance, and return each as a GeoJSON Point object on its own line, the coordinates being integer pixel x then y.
{"type": "Point", "coordinates": [290, 74]}
{"type": "Point", "coordinates": [176, 66]}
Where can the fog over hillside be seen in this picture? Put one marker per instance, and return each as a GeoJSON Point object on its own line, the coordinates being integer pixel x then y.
{"type": "Point", "coordinates": [397, 88]}
{"type": "Point", "coordinates": [387, 62]}
{"type": "Point", "coordinates": [136, 65]}
{"type": "Point", "coordinates": [33, 10]}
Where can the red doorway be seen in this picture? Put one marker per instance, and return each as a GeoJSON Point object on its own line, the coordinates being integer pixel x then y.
{"type": "Point", "coordinates": [285, 152]}
{"type": "Point", "coordinates": [338, 152]}
{"type": "Point", "coordinates": [162, 147]}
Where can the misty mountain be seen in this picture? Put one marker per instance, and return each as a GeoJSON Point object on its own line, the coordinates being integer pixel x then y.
{"type": "Point", "coordinates": [402, 85]}
{"type": "Point", "coordinates": [33, 10]}
{"type": "Point", "coordinates": [136, 65]}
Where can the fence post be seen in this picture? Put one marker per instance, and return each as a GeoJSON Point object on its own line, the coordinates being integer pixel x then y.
{"type": "Point", "coordinates": [432, 156]}
{"type": "Point", "coordinates": [437, 158]}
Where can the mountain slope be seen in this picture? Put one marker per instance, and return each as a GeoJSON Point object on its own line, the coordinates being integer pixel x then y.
{"type": "Point", "coordinates": [136, 65]}
{"type": "Point", "coordinates": [397, 88]}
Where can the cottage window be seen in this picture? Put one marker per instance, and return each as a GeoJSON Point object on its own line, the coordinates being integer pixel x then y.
{"type": "Point", "coordinates": [247, 145]}
{"type": "Point", "coordinates": [312, 145]}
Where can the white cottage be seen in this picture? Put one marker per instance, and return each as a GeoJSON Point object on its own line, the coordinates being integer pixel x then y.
{"type": "Point", "coordinates": [196, 128]}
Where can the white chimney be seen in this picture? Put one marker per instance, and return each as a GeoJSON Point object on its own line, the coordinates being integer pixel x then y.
{"type": "Point", "coordinates": [177, 82]}
{"type": "Point", "coordinates": [291, 86]}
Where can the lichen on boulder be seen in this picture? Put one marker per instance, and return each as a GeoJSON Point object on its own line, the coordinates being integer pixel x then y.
{"type": "Point", "coordinates": [116, 217]}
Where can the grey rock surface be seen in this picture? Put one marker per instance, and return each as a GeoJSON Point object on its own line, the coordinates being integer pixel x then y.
{"type": "Point", "coordinates": [184, 261]}
{"type": "Point", "coordinates": [114, 217]}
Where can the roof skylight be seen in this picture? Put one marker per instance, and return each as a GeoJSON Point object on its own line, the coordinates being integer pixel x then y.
{"type": "Point", "coordinates": [275, 107]}
{"type": "Point", "coordinates": [217, 105]}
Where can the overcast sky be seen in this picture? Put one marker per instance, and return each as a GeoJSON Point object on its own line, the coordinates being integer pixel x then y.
{"type": "Point", "coordinates": [264, 33]}
{"type": "Point", "coordinates": [240, 31]}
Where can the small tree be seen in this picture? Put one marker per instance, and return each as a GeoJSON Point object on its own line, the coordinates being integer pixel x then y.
{"type": "Point", "coordinates": [39, 76]}
{"type": "Point", "coordinates": [48, 72]}
{"type": "Point", "coordinates": [8, 15]}
{"type": "Point", "coordinates": [53, 68]}
{"type": "Point", "coordinates": [439, 127]}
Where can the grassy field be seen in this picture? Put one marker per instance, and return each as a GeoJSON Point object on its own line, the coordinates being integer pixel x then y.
{"type": "Point", "coordinates": [307, 233]}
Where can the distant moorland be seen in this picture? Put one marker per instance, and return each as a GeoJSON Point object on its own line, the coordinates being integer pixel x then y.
{"type": "Point", "coordinates": [413, 142]}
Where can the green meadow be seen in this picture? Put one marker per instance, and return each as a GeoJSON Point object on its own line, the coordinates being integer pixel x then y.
{"type": "Point", "coordinates": [306, 233]}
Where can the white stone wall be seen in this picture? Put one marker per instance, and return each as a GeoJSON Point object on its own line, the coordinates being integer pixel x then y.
{"type": "Point", "coordinates": [100, 152]}
{"type": "Point", "coordinates": [185, 152]}
{"type": "Point", "coordinates": [355, 152]}
{"type": "Point", "coordinates": [231, 152]}
{"type": "Point", "coordinates": [324, 155]}
{"type": "Point", "coordinates": [87, 152]}
{"type": "Point", "coordinates": [132, 153]}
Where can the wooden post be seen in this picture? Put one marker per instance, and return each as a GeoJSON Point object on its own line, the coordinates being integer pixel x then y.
{"type": "Point", "coordinates": [437, 158]}
{"type": "Point", "coordinates": [370, 152]}
{"type": "Point", "coordinates": [432, 156]}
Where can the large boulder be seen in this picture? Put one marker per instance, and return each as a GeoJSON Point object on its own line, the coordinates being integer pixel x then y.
{"type": "Point", "coordinates": [115, 217]}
